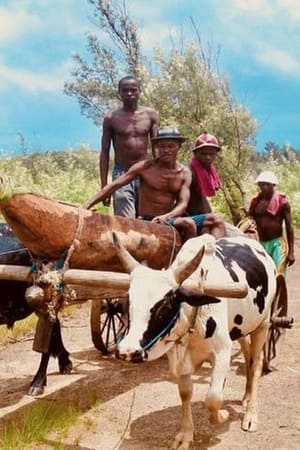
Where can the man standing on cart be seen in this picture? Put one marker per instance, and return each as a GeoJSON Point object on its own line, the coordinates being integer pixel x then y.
{"type": "Point", "coordinates": [129, 129]}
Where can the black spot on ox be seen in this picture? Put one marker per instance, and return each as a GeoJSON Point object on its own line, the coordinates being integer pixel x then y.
{"type": "Point", "coordinates": [238, 319]}
{"type": "Point", "coordinates": [210, 327]}
{"type": "Point", "coordinates": [235, 333]}
{"type": "Point", "coordinates": [246, 258]}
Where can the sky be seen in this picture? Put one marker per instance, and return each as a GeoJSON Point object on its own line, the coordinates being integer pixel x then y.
{"type": "Point", "coordinates": [259, 44]}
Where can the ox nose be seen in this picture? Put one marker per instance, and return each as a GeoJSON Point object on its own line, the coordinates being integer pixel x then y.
{"type": "Point", "coordinates": [135, 356]}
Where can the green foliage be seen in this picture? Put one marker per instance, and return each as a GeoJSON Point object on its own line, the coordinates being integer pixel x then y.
{"type": "Point", "coordinates": [35, 422]}
{"type": "Point", "coordinates": [69, 176]}
{"type": "Point", "coordinates": [20, 329]}
{"type": "Point", "coordinates": [94, 84]}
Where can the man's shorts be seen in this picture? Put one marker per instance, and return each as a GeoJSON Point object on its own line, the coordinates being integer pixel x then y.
{"type": "Point", "coordinates": [125, 199]}
{"type": "Point", "coordinates": [278, 250]}
{"type": "Point", "coordinates": [198, 219]}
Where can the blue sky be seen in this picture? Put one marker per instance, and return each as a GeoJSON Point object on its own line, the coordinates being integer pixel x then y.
{"type": "Point", "coordinates": [259, 41]}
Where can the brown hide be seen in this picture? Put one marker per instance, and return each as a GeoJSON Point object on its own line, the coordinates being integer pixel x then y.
{"type": "Point", "coordinates": [48, 228]}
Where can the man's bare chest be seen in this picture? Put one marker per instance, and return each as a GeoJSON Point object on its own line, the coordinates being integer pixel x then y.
{"type": "Point", "coordinates": [133, 124]}
{"type": "Point", "coordinates": [168, 181]}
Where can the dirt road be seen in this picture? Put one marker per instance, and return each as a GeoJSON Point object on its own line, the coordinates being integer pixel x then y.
{"type": "Point", "coordinates": [137, 407]}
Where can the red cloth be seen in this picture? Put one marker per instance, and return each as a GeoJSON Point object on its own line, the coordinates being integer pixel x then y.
{"type": "Point", "coordinates": [276, 201]}
{"type": "Point", "coordinates": [208, 180]}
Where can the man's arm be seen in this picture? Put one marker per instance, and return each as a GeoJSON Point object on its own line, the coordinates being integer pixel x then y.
{"type": "Point", "coordinates": [116, 184]}
{"type": "Point", "coordinates": [289, 233]}
{"type": "Point", "coordinates": [107, 136]}
{"type": "Point", "coordinates": [154, 129]}
{"type": "Point", "coordinates": [182, 199]}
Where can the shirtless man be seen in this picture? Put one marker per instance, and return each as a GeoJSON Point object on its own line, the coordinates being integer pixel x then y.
{"type": "Point", "coordinates": [164, 186]}
{"type": "Point", "coordinates": [271, 210]}
{"type": "Point", "coordinates": [205, 180]}
{"type": "Point", "coordinates": [128, 129]}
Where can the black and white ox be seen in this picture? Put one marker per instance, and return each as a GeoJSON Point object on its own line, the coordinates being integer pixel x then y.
{"type": "Point", "coordinates": [13, 307]}
{"type": "Point", "coordinates": [188, 312]}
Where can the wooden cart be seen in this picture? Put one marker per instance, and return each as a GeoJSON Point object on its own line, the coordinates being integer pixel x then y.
{"type": "Point", "coordinates": [48, 228]}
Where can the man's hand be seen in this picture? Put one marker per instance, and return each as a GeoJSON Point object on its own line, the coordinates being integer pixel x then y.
{"type": "Point", "coordinates": [290, 259]}
{"type": "Point", "coordinates": [160, 219]}
{"type": "Point", "coordinates": [106, 201]}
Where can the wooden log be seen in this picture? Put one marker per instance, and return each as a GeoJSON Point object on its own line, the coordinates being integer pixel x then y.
{"type": "Point", "coordinates": [115, 284]}
{"type": "Point", "coordinates": [14, 273]}
{"type": "Point", "coordinates": [49, 228]}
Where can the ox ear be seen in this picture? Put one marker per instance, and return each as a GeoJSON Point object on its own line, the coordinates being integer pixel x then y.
{"type": "Point", "coordinates": [194, 298]}
{"type": "Point", "coordinates": [182, 272]}
{"type": "Point", "coordinates": [128, 261]}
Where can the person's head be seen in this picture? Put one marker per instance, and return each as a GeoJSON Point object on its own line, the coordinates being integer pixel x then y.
{"type": "Point", "coordinates": [167, 142]}
{"type": "Point", "coordinates": [266, 182]}
{"type": "Point", "coordinates": [129, 89]}
{"type": "Point", "coordinates": [206, 149]}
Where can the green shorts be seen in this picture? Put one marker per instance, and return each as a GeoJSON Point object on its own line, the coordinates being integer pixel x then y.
{"type": "Point", "coordinates": [278, 250]}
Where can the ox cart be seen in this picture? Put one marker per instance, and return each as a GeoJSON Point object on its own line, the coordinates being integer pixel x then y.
{"type": "Point", "coordinates": [84, 263]}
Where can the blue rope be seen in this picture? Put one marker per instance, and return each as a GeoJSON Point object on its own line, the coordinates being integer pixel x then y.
{"type": "Point", "coordinates": [165, 330]}
{"type": "Point", "coordinates": [155, 339]}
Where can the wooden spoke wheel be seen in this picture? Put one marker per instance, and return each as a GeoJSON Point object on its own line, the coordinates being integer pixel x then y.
{"type": "Point", "coordinates": [279, 322]}
{"type": "Point", "coordinates": [109, 322]}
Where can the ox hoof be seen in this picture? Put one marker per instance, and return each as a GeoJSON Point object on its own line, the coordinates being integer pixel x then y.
{"type": "Point", "coordinates": [219, 417]}
{"type": "Point", "coordinates": [35, 391]}
{"type": "Point", "coordinates": [182, 441]}
{"type": "Point", "coordinates": [65, 368]}
{"type": "Point", "coordinates": [245, 401]}
{"type": "Point", "coordinates": [250, 422]}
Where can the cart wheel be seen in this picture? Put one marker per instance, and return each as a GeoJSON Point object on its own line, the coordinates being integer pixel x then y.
{"type": "Point", "coordinates": [278, 324]}
{"type": "Point", "coordinates": [109, 322]}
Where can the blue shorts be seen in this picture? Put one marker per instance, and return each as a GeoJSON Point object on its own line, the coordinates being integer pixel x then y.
{"type": "Point", "coordinates": [125, 199]}
{"type": "Point", "coordinates": [198, 219]}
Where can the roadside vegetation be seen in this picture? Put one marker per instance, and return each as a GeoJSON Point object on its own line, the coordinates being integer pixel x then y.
{"type": "Point", "coordinates": [73, 176]}
{"type": "Point", "coordinates": [21, 330]}
{"type": "Point", "coordinates": [35, 422]}
{"type": "Point", "coordinates": [185, 85]}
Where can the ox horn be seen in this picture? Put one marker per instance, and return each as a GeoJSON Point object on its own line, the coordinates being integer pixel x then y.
{"type": "Point", "coordinates": [182, 272]}
{"type": "Point", "coordinates": [128, 261]}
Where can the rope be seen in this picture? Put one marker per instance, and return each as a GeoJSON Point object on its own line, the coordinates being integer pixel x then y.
{"type": "Point", "coordinates": [174, 244]}
{"type": "Point", "coordinates": [14, 251]}
{"type": "Point", "coordinates": [76, 240]}
{"type": "Point", "coordinates": [163, 331]}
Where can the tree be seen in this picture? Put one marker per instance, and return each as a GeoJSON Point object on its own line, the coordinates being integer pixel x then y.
{"type": "Point", "coordinates": [94, 83]}
{"type": "Point", "coordinates": [184, 85]}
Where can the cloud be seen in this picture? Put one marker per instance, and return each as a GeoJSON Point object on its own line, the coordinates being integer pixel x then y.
{"type": "Point", "coordinates": [26, 80]}
{"type": "Point", "coordinates": [291, 9]}
{"type": "Point", "coordinates": [278, 59]}
{"type": "Point", "coordinates": [15, 22]}
{"type": "Point", "coordinates": [263, 8]}
{"type": "Point", "coordinates": [62, 17]}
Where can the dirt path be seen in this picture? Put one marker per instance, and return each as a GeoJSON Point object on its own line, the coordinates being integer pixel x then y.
{"type": "Point", "coordinates": [136, 407]}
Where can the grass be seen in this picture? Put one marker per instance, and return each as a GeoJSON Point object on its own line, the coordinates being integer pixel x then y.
{"type": "Point", "coordinates": [21, 329]}
{"type": "Point", "coordinates": [33, 424]}
{"type": "Point", "coordinates": [25, 327]}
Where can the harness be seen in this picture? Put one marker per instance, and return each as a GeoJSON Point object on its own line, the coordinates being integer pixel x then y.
{"type": "Point", "coordinates": [167, 328]}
